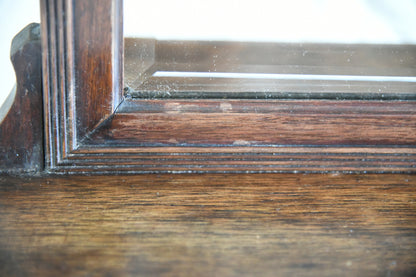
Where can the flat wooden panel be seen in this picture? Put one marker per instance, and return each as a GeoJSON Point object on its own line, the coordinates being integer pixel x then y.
{"type": "Point", "coordinates": [262, 123]}
{"type": "Point", "coordinates": [209, 225]}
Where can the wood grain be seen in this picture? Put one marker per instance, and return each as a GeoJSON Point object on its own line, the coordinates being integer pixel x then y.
{"type": "Point", "coordinates": [82, 73]}
{"type": "Point", "coordinates": [91, 129]}
{"type": "Point", "coordinates": [21, 117]}
{"type": "Point", "coordinates": [209, 225]}
{"type": "Point", "coordinates": [94, 62]}
{"type": "Point", "coordinates": [252, 136]}
{"type": "Point", "coordinates": [262, 123]}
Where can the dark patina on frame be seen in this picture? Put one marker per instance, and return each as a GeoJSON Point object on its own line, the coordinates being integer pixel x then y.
{"type": "Point", "coordinates": [91, 127]}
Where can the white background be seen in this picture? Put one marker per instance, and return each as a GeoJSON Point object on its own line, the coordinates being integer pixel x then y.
{"type": "Point", "coordinates": [14, 16]}
{"type": "Point", "coordinates": [339, 21]}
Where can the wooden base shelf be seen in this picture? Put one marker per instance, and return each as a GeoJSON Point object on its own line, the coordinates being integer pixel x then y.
{"type": "Point", "coordinates": [209, 225]}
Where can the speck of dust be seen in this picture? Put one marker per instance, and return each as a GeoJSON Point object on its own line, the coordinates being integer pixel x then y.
{"type": "Point", "coordinates": [172, 140]}
{"type": "Point", "coordinates": [392, 265]}
{"type": "Point", "coordinates": [241, 142]}
{"type": "Point", "coordinates": [226, 107]}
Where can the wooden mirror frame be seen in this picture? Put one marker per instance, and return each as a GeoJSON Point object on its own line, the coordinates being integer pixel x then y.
{"type": "Point", "coordinates": [91, 127]}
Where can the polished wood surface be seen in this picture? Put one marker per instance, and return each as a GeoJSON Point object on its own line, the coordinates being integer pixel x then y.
{"type": "Point", "coordinates": [21, 116]}
{"type": "Point", "coordinates": [208, 225]}
{"type": "Point", "coordinates": [255, 135]}
{"type": "Point", "coordinates": [92, 127]}
{"type": "Point", "coordinates": [92, 83]}
{"type": "Point", "coordinates": [82, 73]}
{"type": "Point", "coordinates": [262, 123]}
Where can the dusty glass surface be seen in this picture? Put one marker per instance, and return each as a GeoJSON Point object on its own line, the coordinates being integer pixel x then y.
{"type": "Point", "coordinates": [270, 49]}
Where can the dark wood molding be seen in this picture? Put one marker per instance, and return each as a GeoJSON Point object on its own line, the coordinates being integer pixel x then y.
{"type": "Point", "coordinates": [21, 116]}
{"type": "Point", "coordinates": [81, 70]}
{"type": "Point", "coordinates": [91, 128]}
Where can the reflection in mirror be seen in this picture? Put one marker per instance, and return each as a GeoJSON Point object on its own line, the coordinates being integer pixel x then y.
{"type": "Point", "coordinates": [353, 49]}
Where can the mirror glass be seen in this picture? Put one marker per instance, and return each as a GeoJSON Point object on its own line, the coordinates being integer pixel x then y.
{"type": "Point", "coordinates": [270, 49]}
